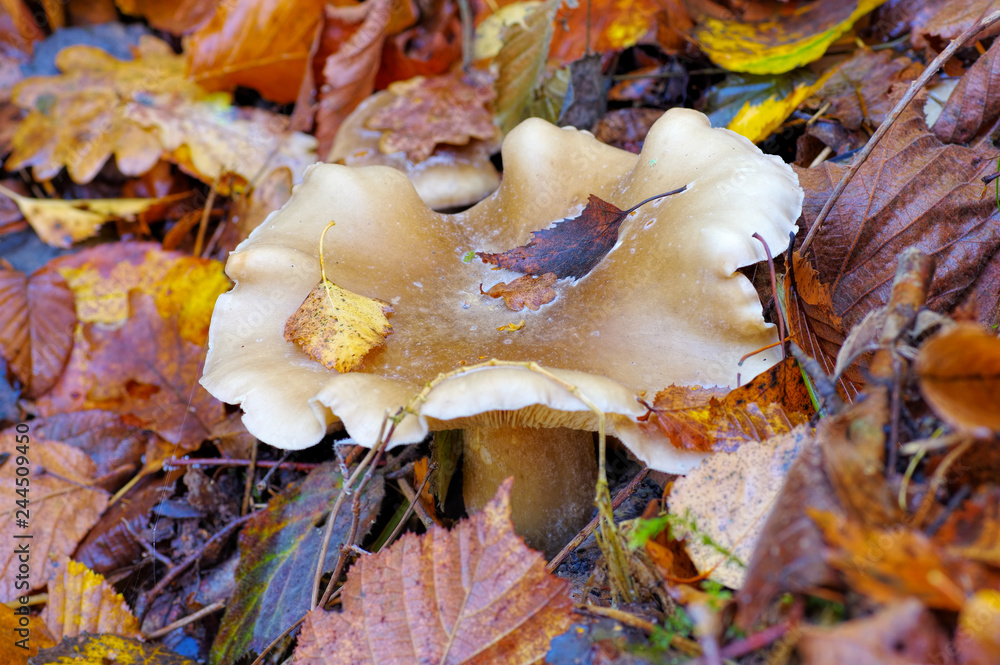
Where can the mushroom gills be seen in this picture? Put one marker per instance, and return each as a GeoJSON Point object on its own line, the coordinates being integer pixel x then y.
{"type": "Point", "coordinates": [555, 472]}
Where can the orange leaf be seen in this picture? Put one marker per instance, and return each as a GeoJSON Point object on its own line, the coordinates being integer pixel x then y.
{"type": "Point", "coordinates": [81, 601]}
{"type": "Point", "coordinates": [476, 593]}
{"type": "Point", "coordinates": [525, 291]}
{"type": "Point", "coordinates": [36, 333]}
{"type": "Point", "coordinates": [260, 44]}
{"type": "Point", "coordinates": [62, 507]}
{"type": "Point", "coordinates": [143, 369]}
{"type": "Point", "coordinates": [959, 374]}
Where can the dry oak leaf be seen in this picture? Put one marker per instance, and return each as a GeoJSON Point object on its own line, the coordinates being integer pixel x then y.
{"type": "Point", "coordinates": [721, 420]}
{"type": "Point", "coordinates": [959, 375]}
{"type": "Point", "coordinates": [77, 119]}
{"type": "Point", "coordinates": [61, 223]}
{"type": "Point", "coordinates": [208, 141]}
{"type": "Point", "coordinates": [525, 291]}
{"type": "Point", "coordinates": [453, 109]}
{"type": "Point", "coordinates": [87, 649]}
{"type": "Point", "coordinates": [37, 320]}
{"type": "Point", "coordinates": [476, 594]}
{"type": "Point", "coordinates": [572, 246]}
{"type": "Point", "coordinates": [81, 601]}
{"type": "Point", "coordinates": [913, 191]}
{"type": "Point", "coordinates": [337, 328]}
{"type": "Point", "coordinates": [261, 44]}
{"type": "Point", "coordinates": [794, 35]}
{"type": "Point", "coordinates": [62, 506]}
{"type": "Point", "coordinates": [143, 369]}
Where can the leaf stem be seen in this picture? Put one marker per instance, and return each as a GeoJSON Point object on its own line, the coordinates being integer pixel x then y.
{"type": "Point", "coordinates": [653, 198]}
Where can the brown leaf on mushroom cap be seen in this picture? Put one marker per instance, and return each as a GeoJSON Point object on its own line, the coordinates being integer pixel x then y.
{"type": "Point", "coordinates": [525, 291]}
{"type": "Point", "coordinates": [569, 248]}
{"type": "Point", "coordinates": [453, 109]}
{"type": "Point", "coordinates": [669, 283]}
{"type": "Point", "coordinates": [337, 327]}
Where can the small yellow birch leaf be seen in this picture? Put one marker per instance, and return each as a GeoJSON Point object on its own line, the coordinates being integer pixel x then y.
{"type": "Point", "coordinates": [82, 601]}
{"type": "Point", "coordinates": [337, 328]}
{"type": "Point", "coordinates": [60, 223]}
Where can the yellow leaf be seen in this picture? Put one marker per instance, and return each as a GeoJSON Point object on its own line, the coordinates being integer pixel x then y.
{"type": "Point", "coordinates": [337, 327]}
{"type": "Point", "coordinates": [758, 122]}
{"type": "Point", "coordinates": [780, 43]}
{"type": "Point", "coordinates": [82, 601]}
{"type": "Point", "coordinates": [60, 223]}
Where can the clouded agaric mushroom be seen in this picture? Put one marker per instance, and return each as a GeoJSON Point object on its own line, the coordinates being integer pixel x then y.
{"type": "Point", "coordinates": [665, 305]}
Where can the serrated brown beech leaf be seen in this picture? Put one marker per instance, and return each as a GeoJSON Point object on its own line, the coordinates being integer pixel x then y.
{"type": "Point", "coordinates": [476, 594]}
{"type": "Point", "coordinates": [913, 191]}
{"type": "Point", "coordinates": [570, 247]}
{"type": "Point", "coordinates": [37, 319]}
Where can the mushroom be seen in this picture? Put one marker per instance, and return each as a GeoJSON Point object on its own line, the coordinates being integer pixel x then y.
{"type": "Point", "coordinates": [665, 305]}
{"type": "Point", "coordinates": [452, 177]}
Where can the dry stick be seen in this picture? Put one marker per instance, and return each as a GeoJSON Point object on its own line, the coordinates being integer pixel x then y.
{"type": "Point", "coordinates": [407, 513]}
{"type": "Point", "coordinates": [344, 490]}
{"type": "Point", "coordinates": [180, 623]}
{"type": "Point", "coordinates": [356, 514]}
{"type": "Point", "coordinates": [412, 497]}
{"type": "Point", "coordinates": [251, 472]}
{"type": "Point", "coordinates": [225, 461]}
{"type": "Point", "coordinates": [275, 641]}
{"type": "Point", "coordinates": [688, 647]}
{"type": "Point", "coordinates": [890, 119]}
{"type": "Point", "coordinates": [203, 224]}
{"type": "Point", "coordinates": [623, 494]}
{"type": "Point", "coordinates": [774, 293]}
{"type": "Point", "coordinates": [147, 600]}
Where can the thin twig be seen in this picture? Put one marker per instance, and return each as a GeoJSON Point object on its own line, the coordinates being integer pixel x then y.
{"type": "Point", "coordinates": [406, 514]}
{"type": "Point", "coordinates": [203, 224]}
{"type": "Point", "coordinates": [345, 489]}
{"type": "Point", "coordinates": [224, 461]}
{"type": "Point", "coordinates": [623, 494]}
{"type": "Point", "coordinates": [147, 600]}
{"type": "Point", "coordinates": [413, 498]}
{"type": "Point", "coordinates": [890, 119]}
{"type": "Point", "coordinates": [248, 485]}
{"type": "Point", "coordinates": [152, 551]}
{"type": "Point", "coordinates": [688, 647]}
{"type": "Point", "coordinates": [180, 623]}
{"type": "Point", "coordinates": [262, 483]}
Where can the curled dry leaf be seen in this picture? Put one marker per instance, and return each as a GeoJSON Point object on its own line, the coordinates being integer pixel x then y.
{"type": "Point", "coordinates": [82, 601]}
{"type": "Point", "coordinates": [959, 375]}
{"type": "Point", "coordinates": [520, 62]}
{"type": "Point", "coordinates": [474, 594]}
{"type": "Point", "coordinates": [61, 223]}
{"type": "Point", "coordinates": [453, 109]}
{"type": "Point", "coordinates": [337, 328]}
{"type": "Point", "coordinates": [37, 320]}
{"type": "Point", "coordinates": [974, 106]}
{"type": "Point", "coordinates": [717, 419]}
{"type": "Point", "coordinates": [63, 508]}
{"type": "Point", "coordinates": [525, 291]}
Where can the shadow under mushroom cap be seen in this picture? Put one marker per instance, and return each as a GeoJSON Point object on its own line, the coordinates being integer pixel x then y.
{"type": "Point", "coordinates": [664, 306]}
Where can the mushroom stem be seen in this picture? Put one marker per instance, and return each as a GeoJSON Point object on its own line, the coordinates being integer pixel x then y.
{"type": "Point", "coordinates": [554, 471]}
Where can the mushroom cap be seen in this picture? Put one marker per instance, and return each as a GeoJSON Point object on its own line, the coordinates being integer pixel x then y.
{"type": "Point", "coordinates": [666, 304]}
{"type": "Point", "coordinates": [452, 177]}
